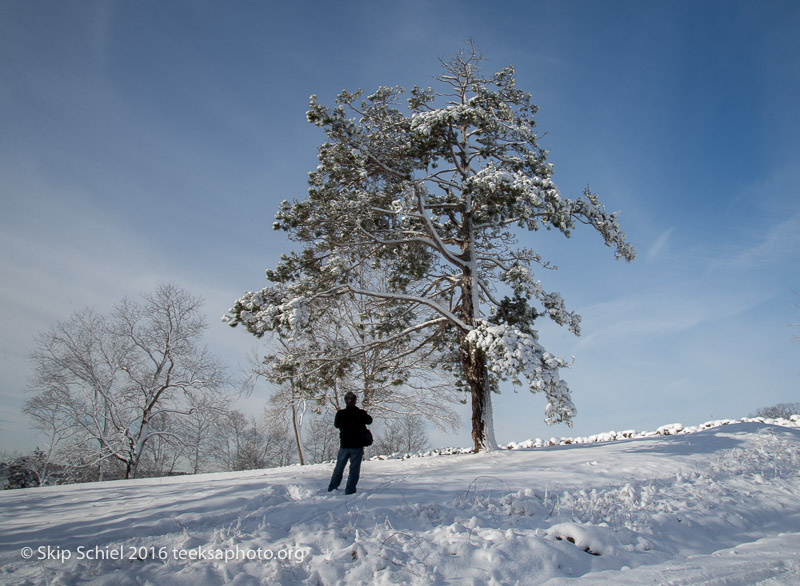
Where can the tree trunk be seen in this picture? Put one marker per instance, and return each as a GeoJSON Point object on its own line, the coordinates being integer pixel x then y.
{"type": "Point", "coordinates": [197, 455]}
{"type": "Point", "coordinates": [474, 367]}
{"type": "Point", "coordinates": [101, 468]}
{"type": "Point", "coordinates": [473, 362]}
{"type": "Point", "coordinates": [297, 435]}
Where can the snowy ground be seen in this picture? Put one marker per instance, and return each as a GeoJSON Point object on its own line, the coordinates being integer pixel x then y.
{"type": "Point", "coordinates": [718, 506]}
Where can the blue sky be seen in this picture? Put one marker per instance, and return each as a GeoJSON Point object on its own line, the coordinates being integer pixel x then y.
{"type": "Point", "coordinates": [150, 142]}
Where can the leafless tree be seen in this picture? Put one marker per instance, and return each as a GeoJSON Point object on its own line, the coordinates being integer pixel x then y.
{"type": "Point", "coordinates": [294, 390]}
{"type": "Point", "coordinates": [165, 449]}
{"type": "Point", "coordinates": [112, 378]}
{"type": "Point", "coordinates": [321, 440]}
{"type": "Point", "coordinates": [405, 435]}
{"type": "Point", "coordinates": [248, 443]}
{"type": "Point", "coordinates": [780, 410]}
{"type": "Point", "coordinates": [56, 426]}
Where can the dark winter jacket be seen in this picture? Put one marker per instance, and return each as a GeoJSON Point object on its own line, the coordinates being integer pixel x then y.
{"type": "Point", "coordinates": [351, 422]}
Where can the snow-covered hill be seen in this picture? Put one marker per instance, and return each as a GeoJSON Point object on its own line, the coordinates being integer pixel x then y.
{"type": "Point", "coordinates": [719, 506]}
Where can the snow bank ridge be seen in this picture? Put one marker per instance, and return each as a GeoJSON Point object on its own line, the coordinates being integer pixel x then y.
{"type": "Point", "coordinates": [610, 436]}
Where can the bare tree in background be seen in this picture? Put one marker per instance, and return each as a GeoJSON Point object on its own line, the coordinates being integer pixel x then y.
{"type": "Point", "coordinates": [162, 454]}
{"type": "Point", "coordinates": [405, 435]}
{"type": "Point", "coordinates": [286, 368]}
{"type": "Point", "coordinates": [321, 440]}
{"type": "Point", "coordinates": [114, 379]}
{"type": "Point", "coordinates": [57, 429]}
{"type": "Point", "coordinates": [780, 410]}
{"type": "Point", "coordinates": [206, 408]}
{"type": "Point", "coordinates": [248, 443]}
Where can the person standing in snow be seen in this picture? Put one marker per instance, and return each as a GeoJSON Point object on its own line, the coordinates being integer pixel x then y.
{"type": "Point", "coordinates": [351, 423]}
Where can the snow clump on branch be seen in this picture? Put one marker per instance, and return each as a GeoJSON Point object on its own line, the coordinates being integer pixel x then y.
{"type": "Point", "coordinates": [510, 352]}
{"type": "Point", "coordinates": [260, 312]}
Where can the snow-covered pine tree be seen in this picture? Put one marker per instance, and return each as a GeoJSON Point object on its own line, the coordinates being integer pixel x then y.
{"type": "Point", "coordinates": [433, 198]}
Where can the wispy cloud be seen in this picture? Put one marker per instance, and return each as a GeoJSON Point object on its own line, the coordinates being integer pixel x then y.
{"type": "Point", "coordinates": [659, 244]}
{"type": "Point", "coordinates": [669, 310]}
{"type": "Point", "coordinates": [779, 242]}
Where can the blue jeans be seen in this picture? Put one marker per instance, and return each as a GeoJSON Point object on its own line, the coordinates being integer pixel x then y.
{"type": "Point", "coordinates": [355, 455]}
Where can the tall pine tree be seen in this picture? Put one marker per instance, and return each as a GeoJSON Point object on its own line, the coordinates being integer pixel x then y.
{"type": "Point", "coordinates": [432, 198]}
